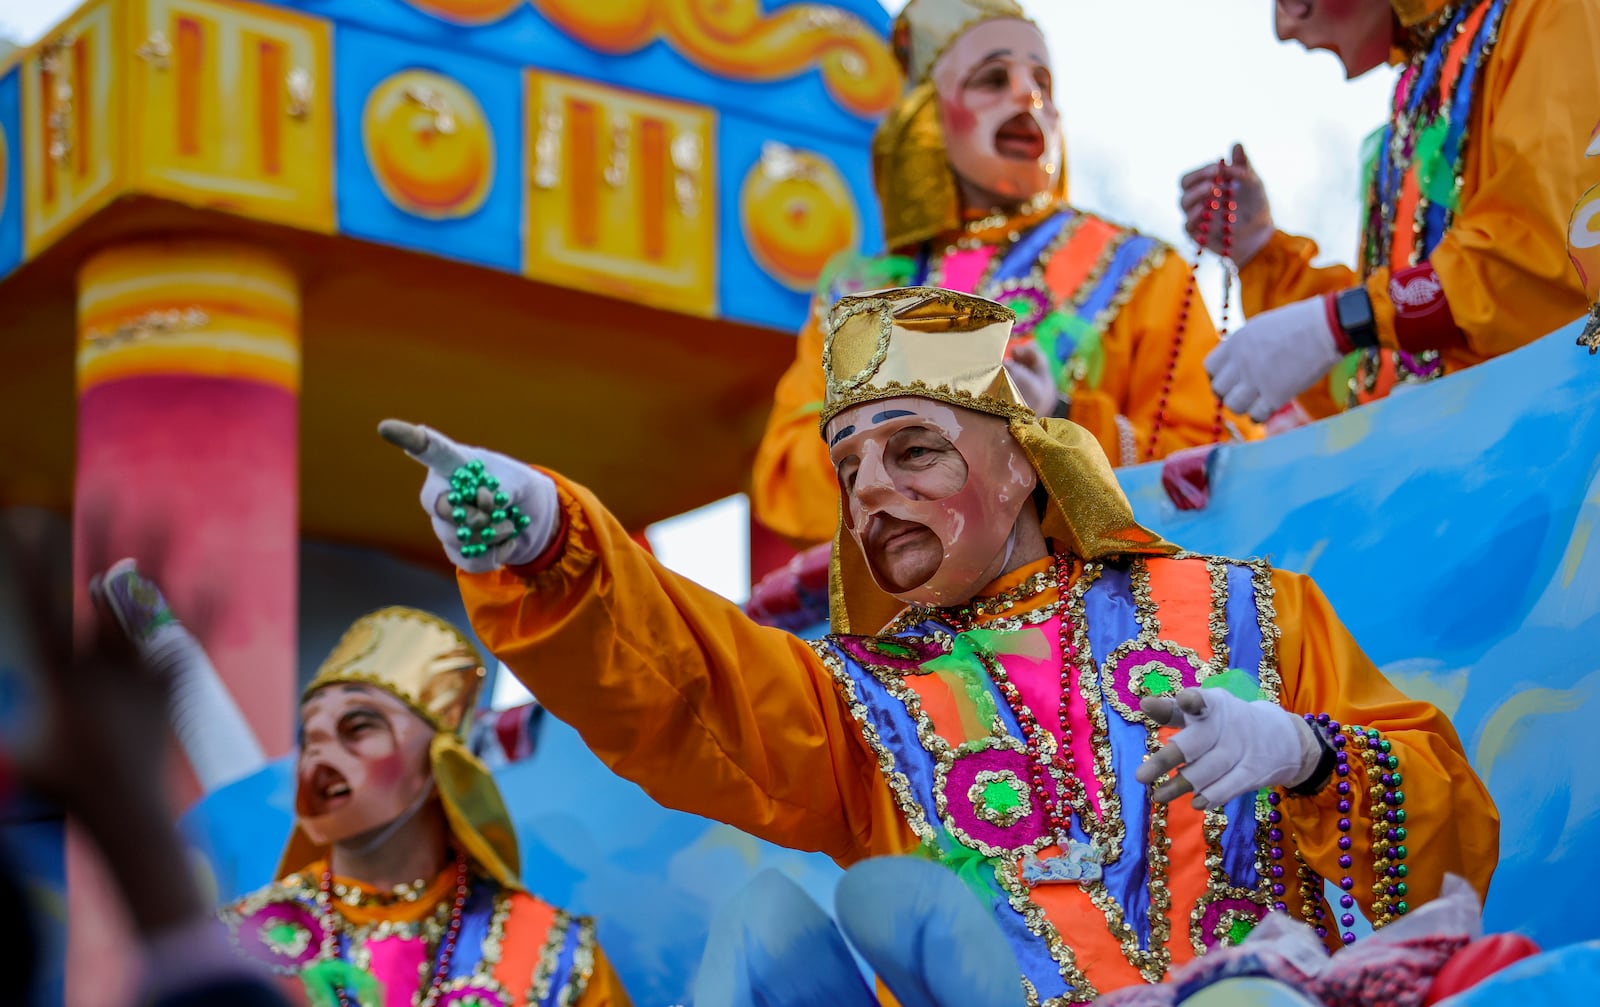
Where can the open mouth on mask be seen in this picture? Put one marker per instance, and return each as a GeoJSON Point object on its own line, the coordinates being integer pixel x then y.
{"type": "Point", "coordinates": [326, 790]}
{"type": "Point", "coordinates": [1020, 138]}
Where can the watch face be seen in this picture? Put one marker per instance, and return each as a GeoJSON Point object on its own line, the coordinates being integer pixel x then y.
{"type": "Point", "coordinates": [1355, 311]}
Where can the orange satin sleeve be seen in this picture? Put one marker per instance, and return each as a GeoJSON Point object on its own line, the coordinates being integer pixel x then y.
{"type": "Point", "coordinates": [793, 487]}
{"type": "Point", "coordinates": [1282, 273]}
{"type": "Point", "coordinates": [1451, 822]}
{"type": "Point", "coordinates": [1503, 262]}
{"type": "Point", "coordinates": [1139, 343]}
{"type": "Point", "coordinates": [674, 688]}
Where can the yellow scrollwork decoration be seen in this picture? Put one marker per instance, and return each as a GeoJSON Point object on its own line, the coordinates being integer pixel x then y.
{"type": "Point", "coordinates": [737, 40]}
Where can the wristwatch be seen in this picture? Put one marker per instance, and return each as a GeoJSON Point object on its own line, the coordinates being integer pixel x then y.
{"type": "Point", "coordinates": [1326, 760]}
{"type": "Point", "coordinates": [1353, 310]}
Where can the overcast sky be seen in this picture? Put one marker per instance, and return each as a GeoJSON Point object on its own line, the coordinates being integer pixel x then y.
{"type": "Point", "coordinates": [1147, 90]}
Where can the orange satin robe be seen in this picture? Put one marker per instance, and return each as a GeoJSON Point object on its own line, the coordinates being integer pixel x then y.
{"type": "Point", "coordinates": [1503, 261]}
{"type": "Point", "coordinates": [675, 689]}
{"type": "Point", "coordinates": [795, 493]}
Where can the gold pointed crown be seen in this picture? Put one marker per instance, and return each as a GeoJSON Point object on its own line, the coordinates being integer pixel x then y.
{"type": "Point", "coordinates": [925, 29]}
{"type": "Point", "coordinates": [922, 341]}
{"type": "Point", "coordinates": [434, 669]}
{"type": "Point", "coordinates": [419, 658]}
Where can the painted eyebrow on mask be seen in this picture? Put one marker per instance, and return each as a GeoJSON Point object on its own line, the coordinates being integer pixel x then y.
{"type": "Point", "coordinates": [886, 415]}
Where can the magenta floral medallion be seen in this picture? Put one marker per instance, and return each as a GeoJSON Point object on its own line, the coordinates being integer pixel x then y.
{"type": "Point", "coordinates": [1028, 297]}
{"type": "Point", "coordinates": [903, 655]}
{"type": "Point", "coordinates": [1144, 670]}
{"type": "Point", "coordinates": [987, 799]}
{"type": "Point", "coordinates": [1229, 920]}
{"type": "Point", "coordinates": [471, 995]}
{"type": "Point", "coordinates": [283, 935]}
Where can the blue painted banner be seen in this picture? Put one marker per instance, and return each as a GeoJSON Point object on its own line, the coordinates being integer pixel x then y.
{"type": "Point", "coordinates": [10, 170]}
{"type": "Point", "coordinates": [1452, 526]}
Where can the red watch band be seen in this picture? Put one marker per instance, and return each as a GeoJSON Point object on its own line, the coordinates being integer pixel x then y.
{"type": "Point", "coordinates": [1422, 317]}
{"type": "Point", "coordinates": [1341, 340]}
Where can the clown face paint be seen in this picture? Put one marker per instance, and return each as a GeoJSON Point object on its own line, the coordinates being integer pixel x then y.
{"type": "Point", "coordinates": [363, 762]}
{"type": "Point", "coordinates": [1002, 131]}
{"type": "Point", "coordinates": [1359, 32]}
{"type": "Point", "coordinates": [932, 494]}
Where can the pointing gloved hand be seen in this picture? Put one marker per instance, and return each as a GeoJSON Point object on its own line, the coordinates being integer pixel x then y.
{"type": "Point", "coordinates": [1275, 356]}
{"type": "Point", "coordinates": [213, 731]}
{"type": "Point", "coordinates": [488, 510]}
{"type": "Point", "coordinates": [1227, 746]}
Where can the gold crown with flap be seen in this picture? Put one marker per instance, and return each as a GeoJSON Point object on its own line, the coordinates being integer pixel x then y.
{"type": "Point", "coordinates": [922, 341]}
{"type": "Point", "coordinates": [416, 656]}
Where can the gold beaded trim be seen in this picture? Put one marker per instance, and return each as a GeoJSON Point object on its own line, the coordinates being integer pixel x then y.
{"type": "Point", "coordinates": [989, 606]}
{"type": "Point", "coordinates": [358, 897]}
{"type": "Point", "coordinates": [947, 760]}
{"type": "Point", "coordinates": [999, 217]}
{"type": "Point", "coordinates": [549, 958]}
{"type": "Point", "coordinates": [899, 785]}
{"type": "Point", "coordinates": [923, 390]}
{"type": "Point", "coordinates": [583, 957]}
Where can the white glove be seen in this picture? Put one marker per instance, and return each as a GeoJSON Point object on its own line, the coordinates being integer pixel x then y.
{"type": "Point", "coordinates": [534, 493]}
{"type": "Point", "coordinates": [1228, 746]}
{"type": "Point", "coordinates": [1273, 357]}
{"type": "Point", "coordinates": [1031, 373]}
{"type": "Point", "coordinates": [214, 733]}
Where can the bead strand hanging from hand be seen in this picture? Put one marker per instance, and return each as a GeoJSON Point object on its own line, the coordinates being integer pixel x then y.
{"type": "Point", "coordinates": [1223, 202]}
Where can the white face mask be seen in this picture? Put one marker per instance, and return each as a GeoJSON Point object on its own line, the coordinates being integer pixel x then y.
{"type": "Point", "coordinates": [363, 763]}
{"type": "Point", "coordinates": [1002, 130]}
{"type": "Point", "coordinates": [879, 450]}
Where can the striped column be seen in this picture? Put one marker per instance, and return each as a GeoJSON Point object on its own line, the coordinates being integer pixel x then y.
{"type": "Point", "coordinates": [188, 390]}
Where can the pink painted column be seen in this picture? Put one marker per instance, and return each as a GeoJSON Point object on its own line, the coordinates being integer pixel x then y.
{"type": "Point", "coordinates": [188, 385]}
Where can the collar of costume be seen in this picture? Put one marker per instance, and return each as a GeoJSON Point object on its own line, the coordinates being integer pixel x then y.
{"type": "Point", "coordinates": [361, 904]}
{"type": "Point", "coordinates": [950, 347]}
{"type": "Point", "coordinates": [1420, 22]}
{"type": "Point", "coordinates": [910, 164]}
{"type": "Point", "coordinates": [1416, 12]}
{"type": "Point", "coordinates": [434, 669]}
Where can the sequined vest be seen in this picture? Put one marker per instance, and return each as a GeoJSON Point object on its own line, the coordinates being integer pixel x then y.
{"type": "Point", "coordinates": [1414, 178]}
{"type": "Point", "coordinates": [512, 951]}
{"type": "Point", "coordinates": [1066, 277]}
{"type": "Point", "coordinates": [1175, 881]}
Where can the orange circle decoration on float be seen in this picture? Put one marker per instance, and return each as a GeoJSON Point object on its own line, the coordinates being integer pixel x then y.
{"type": "Point", "coordinates": [797, 214]}
{"type": "Point", "coordinates": [429, 145]}
{"type": "Point", "coordinates": [467, 11]}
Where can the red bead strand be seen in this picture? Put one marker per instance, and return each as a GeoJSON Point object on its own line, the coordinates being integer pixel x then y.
{"type": "Point", "coordinates": [1034, 734]}
{"type": "Point", "coordinates": [1222, 203]}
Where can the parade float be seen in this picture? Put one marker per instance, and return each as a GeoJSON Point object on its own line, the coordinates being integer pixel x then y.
{"type": "Point", "coordinates": [233, 236]}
